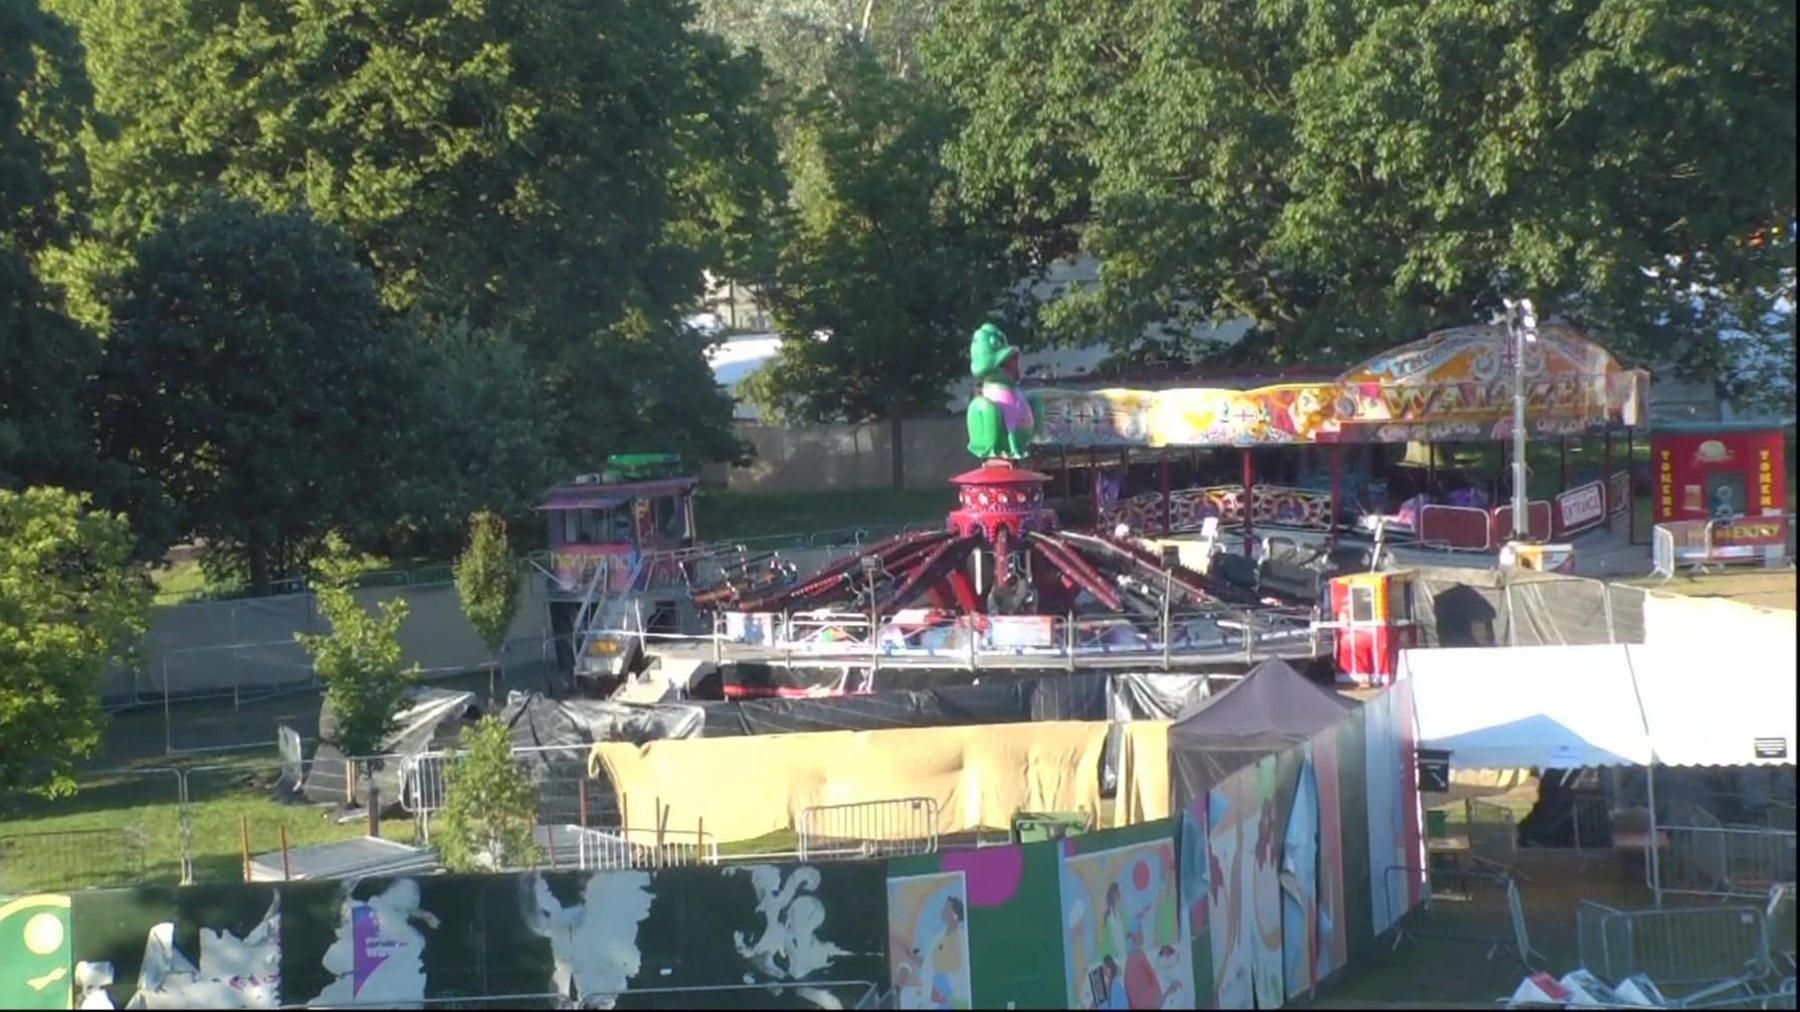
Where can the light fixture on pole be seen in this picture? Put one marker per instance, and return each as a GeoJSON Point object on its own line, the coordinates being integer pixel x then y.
{"type": "Point", "coordinates": [1521, 327]}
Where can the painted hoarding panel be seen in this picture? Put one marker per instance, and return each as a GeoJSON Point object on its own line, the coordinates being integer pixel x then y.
{"type": "Point", "coordinates": [928, 941]}
{"type": "Point", "coordinates": [36, 957]}
{"type": "Point", "coordinates": [1012, 900]}
{"type": "Point", "coordinates": [1125, 940]}
{"type": "Point", "coordinates": [1300, 886]}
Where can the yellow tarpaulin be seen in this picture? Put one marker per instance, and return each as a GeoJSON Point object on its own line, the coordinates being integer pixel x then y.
{"type": "Point", "coordinates": [745, 788]}
{"type": "Point", "coordinates": [1144, 777]}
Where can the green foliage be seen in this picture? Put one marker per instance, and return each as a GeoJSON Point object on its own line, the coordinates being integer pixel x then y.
{"type": "Point", "coordinates": [44, 102]}
{"type": "Point", "coordinates": [1347, 175]}
{"type": "Point", "coordinates": [479, 436]}
{"type": "Point", "coordinates": [487, 580]}
{"type": "Point", "coordinates": [561, 171]}
{"type": "Point", "coordinates": [489, 804]}
{"type": "Point", "coordinates": [359, 659]}
{"type": "Point", "coordinates": [255, 382]}
{"type": "Point", "coordinates": [70, 603]}
{"type": "Point", "coordinates": [874, 255]}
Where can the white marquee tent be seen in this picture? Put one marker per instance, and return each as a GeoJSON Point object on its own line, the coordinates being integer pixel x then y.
{"type": "Point", "coordinates": [1718, 700]}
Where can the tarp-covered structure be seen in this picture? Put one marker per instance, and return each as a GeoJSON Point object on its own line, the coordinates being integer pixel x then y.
{"type": "Point", "coordinates": [432, 720]}
{"type": "Point", "coordinates": [746, 788]}
{"type": "Point", "coordinates": [1271, 709]}
{"type": "Point", "coordinates": [998, 699]}
{"type": "Point", "coordinates": [536, 721]}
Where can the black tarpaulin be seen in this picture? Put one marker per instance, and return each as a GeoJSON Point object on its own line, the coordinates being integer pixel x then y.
{"type": "Point", "coordinates": [1272, 708]}
{"type": "Point", "coordinates": [994, 700]}
{"type": "Point", "coordinates": [537, 721]}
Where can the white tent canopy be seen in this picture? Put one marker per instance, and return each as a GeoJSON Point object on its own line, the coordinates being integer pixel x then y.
{"type": "Point", "coordinates": [1698, 703]}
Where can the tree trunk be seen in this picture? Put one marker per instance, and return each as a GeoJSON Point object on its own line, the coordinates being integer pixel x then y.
{"type": "Point", "coordinates": [897, 444]}
{"type": "Point", "coordinates": [258, 550]}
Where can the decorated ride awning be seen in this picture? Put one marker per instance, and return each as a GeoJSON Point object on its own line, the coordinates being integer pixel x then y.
{"type": "Point", "coordinates": [1453, 385]}
{"type": "Point", "coordinates": [608, 496]}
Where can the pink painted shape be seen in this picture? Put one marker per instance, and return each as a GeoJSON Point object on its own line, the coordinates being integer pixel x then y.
{"type": "Point", "coordinates": [991, 875]}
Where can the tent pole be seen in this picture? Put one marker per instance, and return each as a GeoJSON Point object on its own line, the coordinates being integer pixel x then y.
{"type": "Point", "coordinates": [1652, 847]}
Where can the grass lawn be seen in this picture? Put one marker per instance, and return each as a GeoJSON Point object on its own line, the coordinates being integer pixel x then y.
{"type": "Point", "coordinates": [84, 841]}
{"type": "Point", "coordinates": [725, 516]}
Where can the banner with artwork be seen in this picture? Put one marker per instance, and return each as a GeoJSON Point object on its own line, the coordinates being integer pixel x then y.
{"type": "Point", "coordinates": [1009, 898]}
{"type": "Point", "coordinates": [1453, 384]}
{"type": "Point", "coordinates": [1125, 939]}
{"type": "Point", "coordinates": [760, 935]}
{"type": "Point", "coordinates": [928, 941]}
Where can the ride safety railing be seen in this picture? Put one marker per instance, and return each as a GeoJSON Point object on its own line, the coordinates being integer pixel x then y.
{"type": "Point", "coordinates": [1704, 544]}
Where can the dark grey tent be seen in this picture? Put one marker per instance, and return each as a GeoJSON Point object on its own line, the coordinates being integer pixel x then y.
{"type": "Point", "coordinates": [1272, 708]}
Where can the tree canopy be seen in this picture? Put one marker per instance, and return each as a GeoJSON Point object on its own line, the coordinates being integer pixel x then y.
{"type": "Point", "coordinates": [70, 603]}
{"type": "Point", "coordinates": [358, 660]}
{"type": "Point", "coordinates": [880, 279]}
{"type": "Point", "coordinates": [559, 171]}
{"type": "Point", "coordinates": [45, 102]}
{"type": "Point", "coordinates": [1347, 175]}
{"type": "Point", "coordinates": [254, 382]}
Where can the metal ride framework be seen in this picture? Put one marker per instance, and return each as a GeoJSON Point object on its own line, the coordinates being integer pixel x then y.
{"type": "Point", "coordinates": [999, 588]}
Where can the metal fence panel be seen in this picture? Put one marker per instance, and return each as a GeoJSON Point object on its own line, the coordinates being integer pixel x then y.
{"type": "Point", "coordinates": [1493, 838]}
{"type": "Point", "coordinates": [1694, 946]}
{"type": "Point", "coordinates": [615, 848]}
{"type": "Point", "coordinates": [1727, 861]}
{"type": "Point", "coordinates": [886, 828]}
{"type": "Point", "coordinates": [122, 829]}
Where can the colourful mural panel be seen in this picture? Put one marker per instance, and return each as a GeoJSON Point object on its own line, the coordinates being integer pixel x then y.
{"type": "Point", "coordinates": [1300, 884]}
{"type": "Point", "coordinates": [36, 961]}
{"type": "Point", "coordinates": [1011, 899]}
{"type": "Point", "coordinates": [928, 941]}
{"type": "Point", "coordinates": [1196, 895]}
{"type": "Point", "coordinates": [1230, 817]}
{"type": "Point", "coordinates": [1265, 886]}
{"type": "Point", "coordinates": [1330, 898]}
{"type": "Point", "coordinates": [1125, 943]}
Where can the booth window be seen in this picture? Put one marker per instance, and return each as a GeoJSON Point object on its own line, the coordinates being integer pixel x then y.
{"type": "Point", "coordinates": [669, 518]}
{"type": "Point", "coordinates": [1362, 604]}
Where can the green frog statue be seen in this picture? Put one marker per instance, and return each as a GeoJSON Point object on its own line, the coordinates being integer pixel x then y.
{"type": "Point", "coordinates": [1002, 418]}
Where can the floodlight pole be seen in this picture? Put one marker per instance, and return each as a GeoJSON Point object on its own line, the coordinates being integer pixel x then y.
{"type": "Point", "coordinates": [1521, 326]}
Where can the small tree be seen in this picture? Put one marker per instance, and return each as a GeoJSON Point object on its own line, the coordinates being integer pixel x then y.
{"type": "Point", "coordinates": [359, 659]}
{"type": "Point", "coordinates": [70, 601]}
{"type": "Point", "coordinates": [489, 804]}
{"type": "Point", "coordinates": [488, 585]}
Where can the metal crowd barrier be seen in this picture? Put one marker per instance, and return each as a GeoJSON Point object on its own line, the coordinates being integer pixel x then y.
{"type": "Point", "coordinates": [617, 848]}
{"type": "Point", "coordinates": [1727, 861]}
{"type": "Point", "coordinates": [1493, 837]}
{"type": "Point", "coordinates": [1512, 936]}
{"type": "Point", "coordinates": [891, 827]}
{"type": "Point", "coordinates": [1708, 951]}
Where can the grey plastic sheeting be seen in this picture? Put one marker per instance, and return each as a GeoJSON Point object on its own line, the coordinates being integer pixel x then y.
{"type": "Point", "coordinates": [1486, 608]}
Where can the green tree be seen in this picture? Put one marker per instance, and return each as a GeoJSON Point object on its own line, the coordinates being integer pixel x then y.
{"type": "Point", "coordinates": [487, 582]}
{"type": "Point", "coordinates": [1346, 175]}
{"type": "Point", "coordinates": [255, 382]}
{"type": "Point", "coordinates": [480, 436]}
{"type": "Point", "coordinates": [70, 603]}
{"type": "Point", "coordinates": [489, 808]}
{"type": "Point", "coordinates": [45, 102]}
{"type": "Point", "coordinates": [880, 280]}
{"type": "Point", "coordinates": [359, 659]}
{"type": "Point", "coordinates": [560, 171]}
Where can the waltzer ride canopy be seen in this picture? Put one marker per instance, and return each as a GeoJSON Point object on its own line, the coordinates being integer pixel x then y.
{"type": "Point", "coordinates": [1453, 385]}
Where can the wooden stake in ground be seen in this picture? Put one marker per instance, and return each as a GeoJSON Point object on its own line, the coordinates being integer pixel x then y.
{"type": "Point", "coordinates": [244, 831]}
{"type": "Point", "coordinates": [286, 873]}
